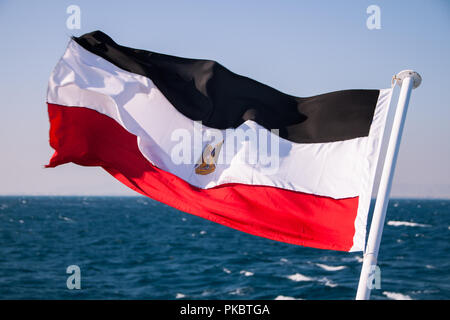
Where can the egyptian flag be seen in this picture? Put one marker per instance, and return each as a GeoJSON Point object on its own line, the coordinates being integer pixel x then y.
{"type": "Point", "coordinates": [182, 131]}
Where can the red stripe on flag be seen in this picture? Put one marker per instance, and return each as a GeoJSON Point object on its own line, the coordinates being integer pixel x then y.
{"type": "Point", "coordinates": [86, 137]}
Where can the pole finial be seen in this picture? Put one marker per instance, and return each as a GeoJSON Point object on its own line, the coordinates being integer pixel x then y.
{"type": "Point", "coordinates": [399, 77]}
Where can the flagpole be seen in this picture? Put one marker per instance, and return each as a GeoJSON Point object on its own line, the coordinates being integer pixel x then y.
{"type": "Point", "coordinates": [407, 80]}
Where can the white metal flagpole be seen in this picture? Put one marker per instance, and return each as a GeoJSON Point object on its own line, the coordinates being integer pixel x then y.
{"type": "Point", "coordinates": [407, 80]}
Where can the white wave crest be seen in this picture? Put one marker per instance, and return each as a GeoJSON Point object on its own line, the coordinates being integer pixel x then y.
{"type": "Point", "coordinates": [246, 273]}
{"type": "Point", "coordinates": [330, 268]}
{"type": "Point", "coordinates": [286, 298]}
{"type": "Point", "coordinates": [354, 258]}
{"type": "Point", "coordinates": [238, 292]}
{"type": "Point", "coordinates": [328, 283]}
{"type": "Point", "coordinates": [65, 218]}
{"type": "Point", "coordinates": [406, 224]}
{"type": "Point", "coordinates": [180, 296]}
{"type": "Point", "coordinates": [299, 277]}
{"type": "Point", "coordinates": [396, 296]}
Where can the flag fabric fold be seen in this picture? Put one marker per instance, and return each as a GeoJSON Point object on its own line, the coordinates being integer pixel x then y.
{"type": "Point", "coordinates": [196, 136]}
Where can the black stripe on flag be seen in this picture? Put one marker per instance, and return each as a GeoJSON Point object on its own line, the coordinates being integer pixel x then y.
{"type": "Point", "coordinates": [204, 90]}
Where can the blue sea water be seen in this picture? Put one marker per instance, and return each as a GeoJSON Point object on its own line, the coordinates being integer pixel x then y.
{"type": "Point", "coordinates": [136, 248]}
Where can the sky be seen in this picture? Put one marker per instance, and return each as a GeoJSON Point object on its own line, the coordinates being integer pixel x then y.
{"type": "Point", "coordinates": [300, 47]}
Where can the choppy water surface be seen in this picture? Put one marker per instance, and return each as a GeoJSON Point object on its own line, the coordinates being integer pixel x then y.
{"type": "Point", "coordinates": [136, 248]}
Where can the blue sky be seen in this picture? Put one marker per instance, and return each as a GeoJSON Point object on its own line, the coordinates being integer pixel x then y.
{"type": "Point", "coordinates": [299, 47]}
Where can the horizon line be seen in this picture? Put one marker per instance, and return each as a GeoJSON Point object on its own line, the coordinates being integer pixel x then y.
{"type": "Point", "coordinates": [139, 195]}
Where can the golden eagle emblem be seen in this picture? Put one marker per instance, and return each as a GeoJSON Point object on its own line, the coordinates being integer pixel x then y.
{"type": "Point", "coordinates": [207, 162]}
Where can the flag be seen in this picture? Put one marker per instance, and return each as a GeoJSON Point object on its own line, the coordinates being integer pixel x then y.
{"type": "Point", "coordinates": [204, 140]}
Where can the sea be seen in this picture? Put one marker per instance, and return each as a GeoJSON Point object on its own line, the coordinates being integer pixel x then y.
{"type": "Point", "coordinates": [137, 248]}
